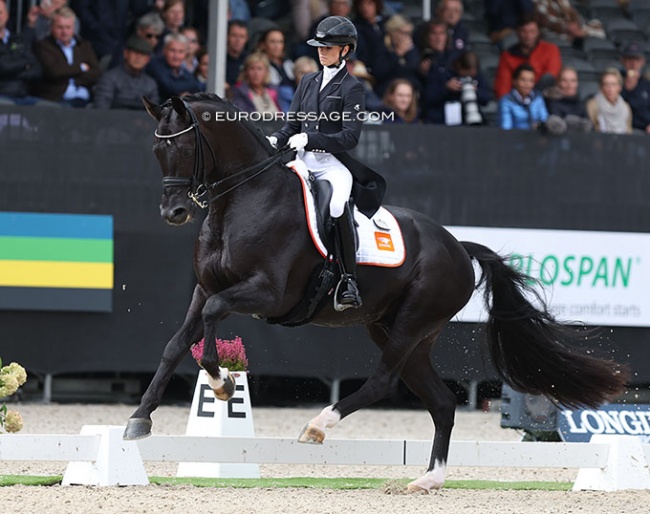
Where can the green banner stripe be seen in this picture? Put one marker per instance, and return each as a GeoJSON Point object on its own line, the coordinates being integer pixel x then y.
{"type": "Point", "coordinates": [55, 249]}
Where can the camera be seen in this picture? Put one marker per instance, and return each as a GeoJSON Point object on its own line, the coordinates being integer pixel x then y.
{"type": "Point", "coordinates": [469, 100]}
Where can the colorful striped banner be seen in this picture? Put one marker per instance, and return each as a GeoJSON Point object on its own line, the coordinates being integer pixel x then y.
{"type": "Point", "coordinates": [56, 262]}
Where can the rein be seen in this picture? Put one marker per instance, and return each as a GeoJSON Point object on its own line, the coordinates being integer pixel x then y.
{"type": "Point", "coordinates": [197, 183]}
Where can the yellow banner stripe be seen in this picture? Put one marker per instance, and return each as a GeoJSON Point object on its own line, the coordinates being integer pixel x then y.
{"type": "Point", "coordinates": [89, 275]}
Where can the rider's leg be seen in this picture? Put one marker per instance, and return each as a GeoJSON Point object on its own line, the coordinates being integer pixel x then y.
{"type": "Point", "coordinates": [347, 292]}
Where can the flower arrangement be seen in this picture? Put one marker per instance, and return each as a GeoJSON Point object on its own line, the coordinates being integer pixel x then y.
{"type": "Point", "coordinates": [232, 354]}
{"type": "Point", "coordinates": [11, 378]}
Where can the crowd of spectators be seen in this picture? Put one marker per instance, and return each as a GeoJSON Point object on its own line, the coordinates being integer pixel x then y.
{"type": "Point", "coordinates": [517, 64]}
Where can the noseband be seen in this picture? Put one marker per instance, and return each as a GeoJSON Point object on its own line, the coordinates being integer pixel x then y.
{"type": "Point", "coordinates": [198, 183]}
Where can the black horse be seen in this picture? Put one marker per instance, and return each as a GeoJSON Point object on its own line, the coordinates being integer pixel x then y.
{"type": "Point", "coordinates": [254, 256]}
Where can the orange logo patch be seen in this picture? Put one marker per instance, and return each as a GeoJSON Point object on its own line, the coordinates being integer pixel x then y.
{"type": "Point", "coordinates": [384, 241]}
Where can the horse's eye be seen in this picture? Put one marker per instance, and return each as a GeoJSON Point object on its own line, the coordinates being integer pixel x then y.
{"type": "Point", "coordinates": [187, 152]}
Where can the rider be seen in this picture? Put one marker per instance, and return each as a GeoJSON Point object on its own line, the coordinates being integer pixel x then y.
{"type": "Point", "coordinates": [323, 123]}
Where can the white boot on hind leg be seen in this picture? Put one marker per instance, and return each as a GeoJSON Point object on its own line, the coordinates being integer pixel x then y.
{"type": "Point", "coordinates": [433, 479]}
{"type": "Point", "coordinates": [314, 431]}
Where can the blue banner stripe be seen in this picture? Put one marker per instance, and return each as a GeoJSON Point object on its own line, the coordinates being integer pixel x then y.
{"type": "Point", "coordinates": [28, 224]}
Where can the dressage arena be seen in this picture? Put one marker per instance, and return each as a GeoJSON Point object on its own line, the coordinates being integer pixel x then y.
{"type": "Point", "coordinates": [283, 422]}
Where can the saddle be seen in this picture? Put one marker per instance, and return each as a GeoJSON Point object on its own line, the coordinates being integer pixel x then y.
{"type": "Point", "coordinates": [379, 242]}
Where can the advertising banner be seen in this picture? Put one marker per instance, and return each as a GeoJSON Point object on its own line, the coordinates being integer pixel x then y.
{"type": "Point", "coordinates": [578, 426]}
{"type": "Point", "coordinates": [595, 278]}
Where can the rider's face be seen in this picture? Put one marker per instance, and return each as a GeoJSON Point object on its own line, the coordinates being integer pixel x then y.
{"type": "Point", "coordinates": [329, 55]}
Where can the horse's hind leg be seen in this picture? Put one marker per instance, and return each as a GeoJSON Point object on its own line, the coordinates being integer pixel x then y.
{"type": "Point", "coordinates": [421, 378]}
{"type": "Point", "coordinates": [395, 344]}
{"type": "Point", "coordinates": [139, 424]}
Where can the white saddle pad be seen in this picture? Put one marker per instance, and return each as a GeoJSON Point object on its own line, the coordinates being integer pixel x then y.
{"type": "Point", "coordinates": [380, 239]}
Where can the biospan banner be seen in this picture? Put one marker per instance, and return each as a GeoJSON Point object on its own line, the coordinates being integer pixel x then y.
{"type": "Point", "coordinates": [616, 419]}
{"type": "Point", "coordinates": [596, 278]}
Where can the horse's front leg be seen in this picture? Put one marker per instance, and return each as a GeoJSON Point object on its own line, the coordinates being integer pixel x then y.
{"type": "Point", "coordinates": [249, 297]}
{"type": "Point", "coordinates": [139, 424]}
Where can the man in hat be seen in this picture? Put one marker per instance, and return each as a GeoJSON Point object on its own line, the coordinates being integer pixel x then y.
{"type": "Point", "coordinates": [123, 87]}
{"type": "Point", "coordinates": [636, 88]}
{"type": "Point", "coordinates": [332, 104]}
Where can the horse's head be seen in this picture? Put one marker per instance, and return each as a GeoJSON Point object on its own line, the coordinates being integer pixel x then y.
{"type": "Point", "coordinates": [179, 150]}
{"type": "Point", "coordinates": [201, 163]}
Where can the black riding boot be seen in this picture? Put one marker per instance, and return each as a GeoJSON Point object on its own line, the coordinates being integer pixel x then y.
{"type": "Point", "coordinates": [347, 293]}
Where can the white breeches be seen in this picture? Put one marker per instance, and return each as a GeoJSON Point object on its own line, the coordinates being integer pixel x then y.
{"type": "Point", "coordinates": [324, 166]}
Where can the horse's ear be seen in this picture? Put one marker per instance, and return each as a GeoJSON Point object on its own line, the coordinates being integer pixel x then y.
{"type": "Point", "coordinates": [180, 107]}
{"type": "Point", "coordinates": [154, 110]}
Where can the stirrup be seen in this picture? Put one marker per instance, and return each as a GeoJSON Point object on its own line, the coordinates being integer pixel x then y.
{"type": "Point", "coordinates": [349, 297]}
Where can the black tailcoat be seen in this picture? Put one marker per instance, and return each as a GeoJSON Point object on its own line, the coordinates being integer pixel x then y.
{"type": "Point", "coordinates": [333, 119]}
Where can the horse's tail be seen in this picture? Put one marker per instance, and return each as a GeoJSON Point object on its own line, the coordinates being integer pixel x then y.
{"type": "Point", "coordinates": [527, 343]}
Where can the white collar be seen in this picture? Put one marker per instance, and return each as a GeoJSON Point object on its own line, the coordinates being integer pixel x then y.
{"type": "Point", "coordinates": [330, 73]}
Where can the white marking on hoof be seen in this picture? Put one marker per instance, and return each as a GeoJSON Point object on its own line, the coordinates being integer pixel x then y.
{"type": "Point", "coordinates": [311, 435]}
{"type": "Point", "coordinates": [314, 431]}
{"type": "Point", "coordinates": [218, 382]}
{"type": "Point", "coordinates": [433, 479]}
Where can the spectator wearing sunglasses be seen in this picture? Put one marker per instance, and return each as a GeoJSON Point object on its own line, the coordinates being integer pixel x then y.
{"type": "Point", "coordinates": [149, 28]}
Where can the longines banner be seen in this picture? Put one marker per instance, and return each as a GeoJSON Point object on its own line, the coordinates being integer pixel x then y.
{"type": "Point", "coordinates": [597, 278]}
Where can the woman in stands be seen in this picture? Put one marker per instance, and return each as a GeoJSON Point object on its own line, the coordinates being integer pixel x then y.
{"type": "Point", "coordinates": [252, 93]}
{"type": "Point", "coordinates": [607, 110]}
{"type": "Point", "coordinates": [522, 107]}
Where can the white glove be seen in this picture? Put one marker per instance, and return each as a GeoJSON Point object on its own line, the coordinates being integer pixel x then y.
{"type": "Point", "coordinates": [273, 141]}
{"type": "Point", "coordinates": [298, 141]}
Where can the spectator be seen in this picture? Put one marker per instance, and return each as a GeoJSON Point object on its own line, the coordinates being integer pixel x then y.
{"type": "Point", "coordinates": [566, 109]}
{"type": "Point", "coordinates": [607, 110]}
{"type": "Point", "coordinates": [452, 96]}
{"type": "Point", "coordinates": [271, 43]}
{"type": "Point", "coordinates": [369, 23]}
{"type": "Point", "coordinates": [451, 12]}
{"type": "Point", "coordinates": [503, 15]}
{"type": "Point", "coordinates": [636, 88]}
{"type": "Point", "coordinates": [254, 93]}
{"type": "Point", "coordinates": [559, 18]}
{"type": "Point", "coordinates": [19, 67]}
{"type": "Point", "coordinates": [304, 13]}
{"type": "Point", "coordinates": [201, 71]}
{"type": "Point", "coordinates": [104, 25]}
{"type": "Point", "coordinates": [191, 61]}
{"type": "Point", "coordinates": [150, 27]}
{"type": "Point", "coordinates": [167, 69]}
{"type": "Point", "coordinates": [70, 66]}
{"type": "Point", "coordinates": [544, 57]}
{"type": "Point", "coordinates": [173, 15]}
{"type": "Point", "coordinates": [235, 50]}
{"type": "Point", "coordinates": [434, 51]}
{"type": "Point", "coordinates": [523, 107]}
{"type": "Point", "coordinates": [400, 99]}
{"type": "Point", "coordinates": [124, 86]}
{"type": "Point", "coordinates": [401, 57]}
{"type": "Point", "coordinates": [357, 69]}
{"type": "Point", "coordinates": [302, 66]}
{"type": "Point", "coordinates": [39, 19]}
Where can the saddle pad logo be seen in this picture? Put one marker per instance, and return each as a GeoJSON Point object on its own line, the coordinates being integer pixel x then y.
{"type": "Point", "coordinates": [384, 241]}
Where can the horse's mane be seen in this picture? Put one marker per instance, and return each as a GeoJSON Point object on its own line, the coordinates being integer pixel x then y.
{"type": "Point", "coordinates": [225, 106]}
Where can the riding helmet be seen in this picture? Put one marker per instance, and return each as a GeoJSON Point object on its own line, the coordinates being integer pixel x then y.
{"type": "Point", "coordinates": [335, 31]}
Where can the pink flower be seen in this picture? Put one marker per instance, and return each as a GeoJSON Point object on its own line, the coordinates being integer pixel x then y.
{"type": "Point", "coordinates": [232, 354]}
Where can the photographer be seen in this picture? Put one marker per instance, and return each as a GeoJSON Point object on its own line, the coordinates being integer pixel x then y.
{"type": "Point", "coordinates": [452, 96]}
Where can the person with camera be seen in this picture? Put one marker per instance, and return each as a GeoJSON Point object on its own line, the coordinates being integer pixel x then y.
{"type": "Point", "coordinates": [523, 107]}
{"type": "Point", "coordinates": [453, 95]}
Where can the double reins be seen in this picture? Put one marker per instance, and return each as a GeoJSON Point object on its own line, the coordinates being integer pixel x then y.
{"type": "Point", "coordinates": [197, 183]}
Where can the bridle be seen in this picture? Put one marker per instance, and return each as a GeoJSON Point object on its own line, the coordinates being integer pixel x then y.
{"type": "Point", "coordinates": [197, 183]}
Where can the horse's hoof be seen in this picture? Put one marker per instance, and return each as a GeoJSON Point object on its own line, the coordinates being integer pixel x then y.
{"type": "Point", "coordinates": [137, 428]}
{"type": "Point", "coordinates": [416, 489]}
{"type": "Point", "coordinates": [227, 390]}
{"type": "Point", "coordinates": [311, 434]}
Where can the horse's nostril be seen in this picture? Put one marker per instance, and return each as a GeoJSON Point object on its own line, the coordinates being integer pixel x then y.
{"type": "Point", "coordinates": [179, 212]}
